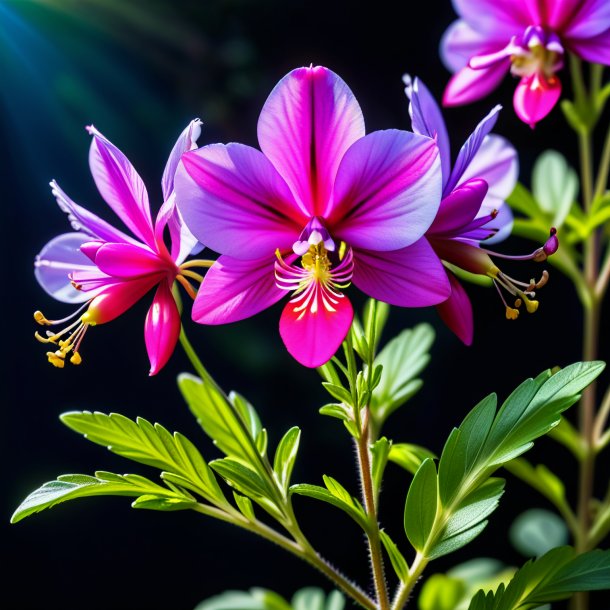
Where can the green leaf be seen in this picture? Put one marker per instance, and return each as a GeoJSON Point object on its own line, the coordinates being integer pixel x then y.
{"type": "Point", "coordinates": [523, 201]}
{"type": "Point", "coordinates": [335, 601]}
{"type": "Point", "coordinates": [152, 445]}
{"type": "Point", "coordinates": [421, 505]}
{"type": "Point", "coordinates": [72, 486]}
{"type": "Point", "coordinates": [374, 320]}
{"type": "Point", "coordinates": [568, 436]}
{"type": "Point", "coordinates": [441, 592]}
{"type": "Point", "coordinates": [554, 185]}
{"type": "Point", "coordinates": [242, 478]}
{"type": "Point", "coordinates": [340, 411]}
{"type": "Point", "coordinates": [343, 501]}
{"type": "Point", "coordinates": [403, 359]}
{"type": "Point", "coordinates": [310, 598]}
{"type": "Point", "coordinates": [536, 531]}
{"type": "Point", "coordinates": [399, 563]}
{"type": "Point", "coordinates": [285, 456]}
{"type": "Point", "coordinates": [339, 393]}
{"type": "Point", "coordinates": [255, 599]}
{"type": "Point", "coordinates": [380, 451]}
{"type": "Point", "coordinates": [409, 456]}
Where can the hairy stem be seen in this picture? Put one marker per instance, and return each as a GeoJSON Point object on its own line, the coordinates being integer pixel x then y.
{"type": "Point", "coordinates": [415, 571]}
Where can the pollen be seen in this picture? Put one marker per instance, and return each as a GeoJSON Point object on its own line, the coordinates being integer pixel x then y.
{"type": "Point", "coordinates": [511, 313]}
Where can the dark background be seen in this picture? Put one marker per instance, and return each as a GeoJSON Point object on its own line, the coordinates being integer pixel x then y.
{"type": "Point", "coordinates": [140, 70]}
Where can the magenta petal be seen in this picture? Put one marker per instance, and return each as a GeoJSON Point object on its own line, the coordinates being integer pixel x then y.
{"type": "Point", "coordinates": [469, 85]}
{"type": "Point", "coordinates": [501, 17]}
{"type": "Point", "coordinates": [535, 97]}
{"type": "Point", "coordinates": [234, 201]}
{"type": "Point", "coordinates": [120, 186]}
{"type": "Point", "coordinates": [456, 312]}
{"type": "Point", "coordinates": [83, 220]}
{"type": "Point", "coordinates": [459, 208]}
{"type": "Point", "coordinates": [591, 20]}
{"type": "Point", "coordinates": [57, 260]}
{"type": "Point", "coordinates": [125, 261]}
{"type": "Point", "coordinates": [387, 190]}
{"type": "Point", "coordinates": [187, 140]}
{"type": "Point", "coordinates": [410, 277]}
{"type": "Point", "coordinates": [313, 338]}
{"type": "Point", "coordinates": [235, 289]}
{"type": "Point", "coordinates": [307, 124]}
{"type": "Point", "coordinates": [117, 298]}
{"type": "Point", "coordinates": [595, 49]}
{"type": "Point", "coordinates": [161, 328]}
{"type": "Point", "coordinates": [183, 242]}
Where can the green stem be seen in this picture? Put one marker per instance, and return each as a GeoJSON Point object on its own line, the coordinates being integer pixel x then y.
{"type": "Point", "coordinates": [601, 420]}
{"type": "Point", "coordinates": [404, 590]}
{"type": "Point", "coordinates": [604, 168]}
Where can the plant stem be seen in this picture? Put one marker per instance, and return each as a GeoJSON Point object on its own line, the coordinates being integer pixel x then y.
{"type": "Point", "coordinates": [403, 592]}
{"type": "Point", "coordinates": [373, 536]}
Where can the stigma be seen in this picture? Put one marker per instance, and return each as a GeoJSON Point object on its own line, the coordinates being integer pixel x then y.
{"type": "Point", "coordinates": [538, 54]}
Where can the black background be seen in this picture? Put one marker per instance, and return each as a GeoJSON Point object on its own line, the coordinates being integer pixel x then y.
{"type": "Point", "coordinates": [140, 71]}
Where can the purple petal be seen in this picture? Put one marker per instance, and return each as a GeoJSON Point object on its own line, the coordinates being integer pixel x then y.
{"type": "Point", "coordinates": [595, 49]}
{"type": "Point", "coordinates": [427, 120]}
{"type": "Point", "coordinates": [459, 208]}
{"type": "Point", "coordinates": [161, 328]}
{"type": "Point", "coordinates": [57, 260]}
{"type": "Point", "coordinates": [409, 277]}
{"type": "Point", "coordinates": [120, 186]}
{"type": "Point", "coordinates": [125, 261]}
{"type": "Point", "coordinates": [470, 148]}
{"type": "Point", "coordinates": [83, 220]}
{"type": "Point", "coordinates": [535, 97]}
{"type": "Point", "coordinates": [183, 242]}
{"type": "Point", "coordinates": [235, 289]}
{"type": "Point", "coordinates": [469, 85]}
{"type": "Point", "coordinates": [499, 18]}
{"type": "Point", "coordinates": [187, 140]}
{"type": "Point", "coordinates": [456, 312]}
{"type": "Point", "coordinates": [312, 338]}
{"type": "Point", "coordinates": [591, 20]}
{"type": "Point", "coordinates": [387, 190]}
{"type": "Point", "coordinates": [234, 201]}
{"type": "Point", "coordinates": [460, 43]}
{"type": "Point", "coordinates": [307, 124]}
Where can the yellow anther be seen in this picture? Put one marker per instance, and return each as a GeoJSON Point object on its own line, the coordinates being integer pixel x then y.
{"type": "Point", "coordinates": [55, 360]}
{"type": "Point", "coordinates": [531, 306]}
{"type": "Point", "coordinates": [76, 286]}
{"type": "Point", "coordinates": [342, 250]}
{"type": "Point", "coordinates": [511, 313]}
{"type": "Point", "coordinates": [76, 359]}
{"type": "Point", "coordinates": [50, 339]}
{"type": "Point", "coordinates": [40, 319]}
{"type": "Point", "coordinates": [518, 303]}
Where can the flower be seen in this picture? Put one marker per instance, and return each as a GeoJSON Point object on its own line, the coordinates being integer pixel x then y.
{"type": "Point", "coordinates": [529, 39]}
{"type": "Point", "coordinates": [108, 270]}
{"type": "Point", "coordinates": [321, 206]}
{"type": "Point", "coordinates": [473, 211]}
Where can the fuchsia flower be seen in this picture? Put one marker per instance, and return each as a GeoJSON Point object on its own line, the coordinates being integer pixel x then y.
{"type": "Point", "coordinates": [473, 210]}
{"type": "Point", "coordinates": [526, 37]}
{"type": "Point", "coordinates": [323, 204]}
{"type": "Point", "coordinates": [109, 271]}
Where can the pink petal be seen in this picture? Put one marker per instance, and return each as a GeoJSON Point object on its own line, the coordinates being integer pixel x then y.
{"type": "Point", "coordinates": [387, 191]}
{"type": "Point", "coordinates": [234, 201]}
{"type": "Point", "coordinates": [161, 328]}
{"type": "Point", "coordinates": [469, 85]}
{"type": "Point", "coordinates": [125, 261]}
{"type": "Point", "coordinates": [187, 140]}
{"type": "Point", "coordinates": [307, 124]}
{"type": "Point", "coordinates": [57, 260]}
{"type": "Point", "coordinates": [456, 312]}
{"type": "Point", "coordinates": [120, 186]}
{"type": "Point", "coordinates": [183, 242]}
{"type": "Point", "coordinates": [235, 289]}
{"type": "Point", "coordinates": [82, 219]}
{"type": "Point", "coordinates": [409, 277]}
{"type": "Point", "coordinates": [460, 43]}
{"type": "Point", "coordinates": [459, 208]}
{"type": "Point", "coordinates": [591, 20]}
{"type": "Point", "coordinates": [595, 49]}
{"type": "Point", "coordinates": [501, 17]}
{"type": "Point", "coordinates": [535, 97]}
{"type": "Point", "coordinates": [312, 338]}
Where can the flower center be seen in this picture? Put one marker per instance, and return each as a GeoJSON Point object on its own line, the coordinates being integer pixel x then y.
{"type": "Point", "coordinates": [537, 53]}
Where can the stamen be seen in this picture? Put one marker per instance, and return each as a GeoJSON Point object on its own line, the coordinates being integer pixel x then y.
{"type": "Point", "coordinates": [187, 286]}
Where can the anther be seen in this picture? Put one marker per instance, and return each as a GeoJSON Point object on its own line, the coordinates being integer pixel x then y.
{"type": "Point", "coordinates": [76, 358]}
{"type": "Point", "coordinates": [511, 313]}
{"type": "Point", "coordinates": [40, 319]}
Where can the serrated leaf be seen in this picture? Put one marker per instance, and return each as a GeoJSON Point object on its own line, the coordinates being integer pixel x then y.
{"type": "Point", "coordinates": [350, 506]}
{"type": "Point", "coordinates": [536, 531]}
{"type": "Point", "coordinates": [380, 452]}
{"type": "Point", "coordinates": [399, 563]}
{"type": "Point", "coordinates": [72, 486]}
{"type": "Point", "coordinates": [409, 456]}
{"type": "Point", "coordinates": [403, 359]}
{"type": "Point", "coordinates": [554, 185]}
{"type": "Point", "coordinates": [152, 445]}
{"type": "Point", "coordinates": [421, 505]}
{"type": "Point", "coordinates": [285, 456]}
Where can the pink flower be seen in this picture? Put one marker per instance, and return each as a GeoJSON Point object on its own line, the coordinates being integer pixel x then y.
{"type": "Point", "coordinates": [108, 270]}
{"type": "Point", "coordinates": [527, 38]}
{"type": "Point", "coordinates": [322, 205]}
{"type": "Point", "coordinates": [473, 212]}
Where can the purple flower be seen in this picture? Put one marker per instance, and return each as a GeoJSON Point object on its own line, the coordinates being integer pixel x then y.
{"type": "Point", "coordinates": [108, 270]}
{"type": "Point", "coordinates": [527, 38]}
{"type": "Point", "coordinates": [321, 206]}
{"type": "Point", "coordinates": [473, 209]}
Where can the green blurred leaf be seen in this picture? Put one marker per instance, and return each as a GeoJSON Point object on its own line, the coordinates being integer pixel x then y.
{"type": "Point", "coordinates": [285, 456]}
{"type": "Point", "coordinates": [421, 505]}
{"type": "Point", "coordinates": [409, 456]}
{"type": "Point", "coordinates": [566, 434]}
{"type": "Point", "coordinates": [255, 599]}
{"type": "Point", "coordinates": [536, 531]}
{"type": "Point", "coordinates": [440, 592]}
{"type": "Point", "coordinates": [380, 451]}
{"type": "Point", "coordinates": [399, 563]}
{"type": "Point", "coordinates": [310, 598]}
